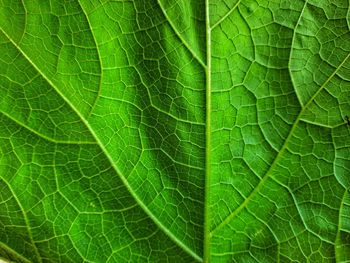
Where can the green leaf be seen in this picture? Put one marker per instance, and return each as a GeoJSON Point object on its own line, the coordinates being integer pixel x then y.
{"type": "Point", "coordinates": [175, 131]}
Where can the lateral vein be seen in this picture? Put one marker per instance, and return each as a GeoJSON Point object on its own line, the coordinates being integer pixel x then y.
{"type": "Point", "coordinates": [226, 15]}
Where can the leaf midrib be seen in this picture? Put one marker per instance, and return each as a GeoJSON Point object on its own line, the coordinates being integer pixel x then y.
{"type": "Point", "coordinates": [206, 243]}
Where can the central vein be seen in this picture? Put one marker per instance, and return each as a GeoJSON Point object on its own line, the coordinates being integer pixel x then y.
{"type": "Point", "coordinates": [206, 243]}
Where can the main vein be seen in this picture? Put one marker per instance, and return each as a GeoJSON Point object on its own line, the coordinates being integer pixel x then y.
{"type": "Point", "coordinates": [206, 244]}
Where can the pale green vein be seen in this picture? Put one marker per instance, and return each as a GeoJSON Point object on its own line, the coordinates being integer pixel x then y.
{"type": "Point", "coordinates": [30, 235]}
{"type": "Point", "coordinates": [291, 50]}
{"type": "Point", "coordinates": [323, 125]}
{"type": "Point", "coordinates": [124, 180]}
{"type": "Point", "coordinates": [14, 253]}
{"type": "Point", "coordinates": [299, 211]}
{"type": "Point", "coordinates": [206, 243]}
{"type": "Point", "coordinates": [226, 15]}
{"type": "Point", "coordinates": [181, 163]}
{"type": "Point", "coordinates": [99, 59]}
{"type": "Point", "coordinates": [279, 155]}
{"type": "Point", "coordinates": [58, 185]}
{"type": "Point", "coordinates": [43, 136]}
{"type": "Point", "coordinates": [337, 239]}
{"type": "Point", "coordinates": [73, 243]}
{"type": "Point", "coordinates": [25, 21]}
{"type": "Point", "coordinates": [152, 104]}
{"type": "Point", "coordinates": [194, 54]}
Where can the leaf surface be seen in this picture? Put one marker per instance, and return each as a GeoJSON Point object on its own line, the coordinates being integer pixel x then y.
{"type": "Point", "coordinates": [174, 131]}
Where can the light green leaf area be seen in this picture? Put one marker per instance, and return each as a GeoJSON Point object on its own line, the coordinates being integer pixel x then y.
{"type": "Point", "coordinates": [175, 131]}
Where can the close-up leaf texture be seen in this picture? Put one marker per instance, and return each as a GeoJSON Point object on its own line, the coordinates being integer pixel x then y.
{"type": "Point", "coordinates": [175, 131]}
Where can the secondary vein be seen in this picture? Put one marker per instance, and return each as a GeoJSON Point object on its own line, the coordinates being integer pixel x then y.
{"type": "Point", "coordinates": [226, 15]}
